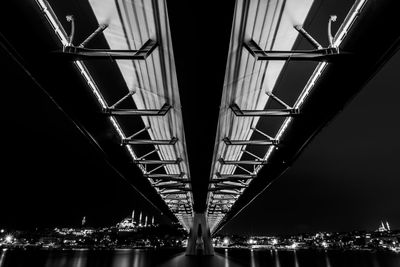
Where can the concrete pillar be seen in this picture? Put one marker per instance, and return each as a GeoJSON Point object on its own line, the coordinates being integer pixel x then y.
{"type": "Point", "coordinates": [200, 242]}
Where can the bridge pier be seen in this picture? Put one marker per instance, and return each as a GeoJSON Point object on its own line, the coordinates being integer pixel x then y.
{"type": "Point", "coordinates": [199, 242]}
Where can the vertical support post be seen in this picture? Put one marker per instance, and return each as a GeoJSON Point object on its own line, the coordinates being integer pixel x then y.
{"type": "Point", "coordinates": [308, 37]}
{"type": "Point", "coordinates": [200, 242]}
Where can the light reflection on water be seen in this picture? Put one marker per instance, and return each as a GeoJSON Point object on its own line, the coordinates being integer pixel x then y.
{"type": "Point", "coordinates": [3, 255]}
{"type": "Point", "coordinates": [80, 258]}
{"type": "Point", "coordinates": [226, 258]}
{"type": "Point", "coordinates": [327, 261]}
{"type": "Point", "coordinates": [296, 261]}
{"type": "Point", "coordinates": [176, 258]}
{"type": "Point", "coordinates": [253, 260]}
{"type": "Point", "coordinates": [277, 262]}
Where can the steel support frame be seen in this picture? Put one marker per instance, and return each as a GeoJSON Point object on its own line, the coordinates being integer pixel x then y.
{"type": "Point", "coordinates": [321, 54]}
{"type": "Point", "coordinates": [165, 176]}
{"type": "Point", "coordinates": [235, 176]}
{"type": "Point", "coordinates": [171, 186]}
{"type": "Point", "coordinates": [81, 53]}
{"type": "Point", "coordinates": [230, 142]}
{"type": "Point", "coordinates": [171, 142]}
{"type": "Point", "coordinates": [227, 186]}
{"type": "Point", "coordinates": [263, 113]}
{"type": "Point", "coordinates": [112, 111]}
{"type": "Point", "coordinates": [156, 161]}
{"type": "Point", "coordinates": [244, 162]}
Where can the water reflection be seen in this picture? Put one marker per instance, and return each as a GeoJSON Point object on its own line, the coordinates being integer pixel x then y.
{"type": "Point", "coordinates": [277, 262]}
{"type": "Point", "coordinates": [226, 258]}
{"type": "Point", "coordinates": [296, 261]}
{"type": "Point", "coordinates": [252, 259]}
{"type": "Point", "coordinates": [327, 261]}
{"type": "Point", "coordinates": [175, 258]}
{"type": "Point", "coordinates": [80, 258]}
{"type": "Point", "coordinates": [122, 258]}
{"type": "Point", "coordinates": [2, 257]}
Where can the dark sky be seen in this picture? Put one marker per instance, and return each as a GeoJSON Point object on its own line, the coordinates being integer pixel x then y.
{"type": "Point", "coordinates": [347, 178]}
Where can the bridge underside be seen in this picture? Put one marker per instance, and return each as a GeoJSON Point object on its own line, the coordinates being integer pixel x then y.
{"type": "Point", "coordinates": [317, 98]}
{"type": "Point", "coordinates": [127, 103]}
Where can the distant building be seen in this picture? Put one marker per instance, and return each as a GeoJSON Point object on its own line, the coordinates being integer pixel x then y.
{"type": "Point", "coordinates": [384, 227]}
{"type": "Point", "coordinates": [127, 224]}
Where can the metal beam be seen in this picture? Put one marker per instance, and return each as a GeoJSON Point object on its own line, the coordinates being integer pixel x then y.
{"type": "Point", "coordinates": [180, 191]}
{"type": "Point", "coordinates": [137, 112]}
{"type": "Point", "coordinates": [321, 54]}
{"type": "Point", "coordinates": [230, 142]}
{"type": "Point", "coordinates": [127, 141]}
{"type": "Point", "coordinates": [235, 176]}
{"type": "Point", "coordinates": [222, 203]}
{"type": "Point", "coordinates": [176, 198]}
{"type": "Point", "coordinates": [263, 113]}
{"type": "Point", "coordinates": [171, 186]}
{"type": "Point", "coordinates": [81, 53]}
{"type": "Point", "coordinates": [216, 181]}
{"type": "Point", "coordinates": [165, 176]}
{"type": "Point", "coordinates": [216, 192]}
{"type": "Point", "coordinates": [156, 161]}
{"type": "Point", "coordinates": [166, 179]}
{"type": "Point", "coordinates": [228, 186]}
{"type": "Point", "coordinates": [238, 183]}
{"type": "Point", "coordinates": [246, 162]}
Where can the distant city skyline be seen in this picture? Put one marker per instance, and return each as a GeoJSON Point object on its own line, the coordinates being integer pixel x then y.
{"type": "Point", "coordinates": [346, 179]}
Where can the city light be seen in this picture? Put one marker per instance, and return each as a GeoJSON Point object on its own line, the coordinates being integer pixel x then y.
{"type": "Point", "coordinates": [9, 238]}
{"type": "Point", "coordinates": [305, 93]}
{"type": "Point", "coordinates": [226, 241]}
{"type": "Point", "coordinates": [81, 67]}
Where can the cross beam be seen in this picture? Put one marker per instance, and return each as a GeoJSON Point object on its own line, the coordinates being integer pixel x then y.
{"type": "Point", "coordinates": [177, 187]}
{"type": "Point", "coordinates": [137, 112]}
{"type": "Point", "coordinates": [216, 181]}
{"type": "Point", "coordinates": [321, 54]}
{"type": "Point", "coordinates": [71, 52]}
{"type": "Point", "coordinates": [156, 161]}
{"type": "Point", "coordinates": [127, 141]}
{"type": "Point", "coordinates": [230, 142]}
{"type": "Point", "coordinates": [179, 191]}
{"type": "Point", "coordinates": [235, 176]}
{"type": "Point", "coordinates": [246, 162]}
{"type": "Point", "coordinates": [228, 186]}
{"type": "Point", "coordinates": [165, 176]}
{"type": "Point", "coordinates": [166, 179]}
{"type": "Point", "coordinates": [261, 113]}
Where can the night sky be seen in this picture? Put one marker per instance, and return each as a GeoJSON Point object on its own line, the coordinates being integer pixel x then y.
{"type": "Point", "coordinates": [346, 179]}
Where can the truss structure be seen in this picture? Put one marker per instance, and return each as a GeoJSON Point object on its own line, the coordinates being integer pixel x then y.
{"type": "Point", "coordinates": [152, 94]}
{"type": "Point", "coordinates": [247, 94]}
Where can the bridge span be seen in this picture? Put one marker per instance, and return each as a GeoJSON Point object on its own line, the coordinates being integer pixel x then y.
{"type": "Point", "coordinates": [201, 107]}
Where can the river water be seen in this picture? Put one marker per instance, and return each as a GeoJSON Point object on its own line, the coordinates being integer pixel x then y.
{"type": "Point", "coordinates": [177, 258]}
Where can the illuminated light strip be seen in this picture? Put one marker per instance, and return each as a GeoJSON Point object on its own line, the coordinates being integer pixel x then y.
{"type": "Point", "coordinates": [60, 32]}
{"type": "Point", "coordinates": [348, 22]}
{"type": "Point", "coordinates": [338, 39]}
{"type": "Point", "coordinates": [55, 23]}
